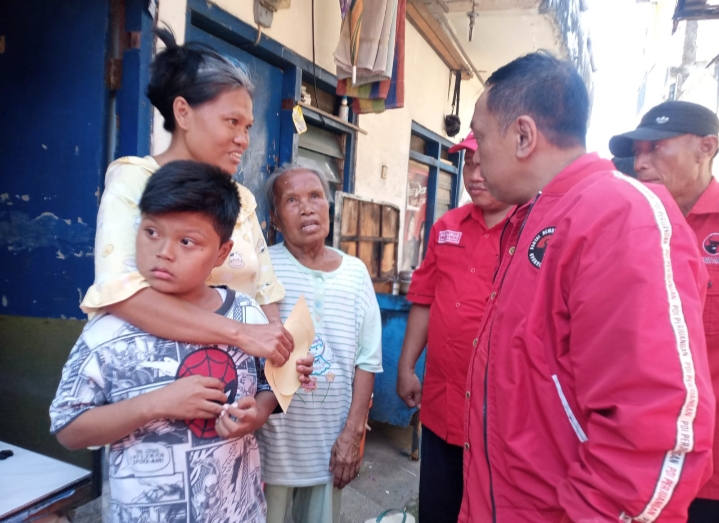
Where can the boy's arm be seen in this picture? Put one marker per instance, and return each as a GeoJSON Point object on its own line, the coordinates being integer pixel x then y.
{"type": "Point", "coordinates": [187, 398]}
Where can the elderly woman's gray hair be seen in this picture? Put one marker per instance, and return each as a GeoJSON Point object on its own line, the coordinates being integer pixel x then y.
{"type": "Point", "coordinates": [271, 192]}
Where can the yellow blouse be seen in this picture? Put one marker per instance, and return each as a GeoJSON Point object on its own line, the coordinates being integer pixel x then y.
{"type": "Point", "coordinates": [248, 269]}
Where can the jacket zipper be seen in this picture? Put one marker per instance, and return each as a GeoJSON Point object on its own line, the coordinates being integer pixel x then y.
{"type": "Point", "coordinates": [486, 370]}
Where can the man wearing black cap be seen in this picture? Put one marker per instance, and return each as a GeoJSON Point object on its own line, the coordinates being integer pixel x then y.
{"type": "Point", "coordinates": [675, 145]}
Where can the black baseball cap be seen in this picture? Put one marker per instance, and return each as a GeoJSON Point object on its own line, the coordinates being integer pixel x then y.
{"type": "Point", "coordinates": [667, 120]}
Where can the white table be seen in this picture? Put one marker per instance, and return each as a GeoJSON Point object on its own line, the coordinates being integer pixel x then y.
{"type": "Point", "coordinates": [29, 480]}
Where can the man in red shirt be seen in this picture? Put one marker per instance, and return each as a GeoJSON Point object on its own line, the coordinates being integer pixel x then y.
{"type": "Point", "coordinates": [589, 397]}
{"type": "Point", "coordinates": [449, 292]}
{"type": "Point", "coordinates": [675, 145]}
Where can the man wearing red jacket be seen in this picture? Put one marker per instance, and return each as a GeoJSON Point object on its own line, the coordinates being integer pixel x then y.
{"type": "Point", "coordinates": [449, 293]}
{"type": "Point", "coordinates": [589, 395]}
{"type": "Point", "coordinates": [675, 145]}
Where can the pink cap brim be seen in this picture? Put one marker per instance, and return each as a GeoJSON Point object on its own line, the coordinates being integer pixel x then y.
{"type": "Point", "coordinates": [468, 143]}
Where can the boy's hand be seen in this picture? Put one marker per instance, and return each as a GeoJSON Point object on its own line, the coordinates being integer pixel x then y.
{"type": "Point", "coordinates": [305, 368]}
{"type": "Point", "coordinates": [272, 342]}
{"type": "Point", "coordinates": [189, 398]}
{"type": "Point", "coordinates": [244, 412]}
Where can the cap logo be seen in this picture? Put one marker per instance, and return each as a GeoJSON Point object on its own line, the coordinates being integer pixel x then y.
{"type": "Point", "coordinates": [662, 119]}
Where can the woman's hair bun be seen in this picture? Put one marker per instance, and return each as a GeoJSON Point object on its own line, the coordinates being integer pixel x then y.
{"type": "Point", "coordinates": [194, 71]}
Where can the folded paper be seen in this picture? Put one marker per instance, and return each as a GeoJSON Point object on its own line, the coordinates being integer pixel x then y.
{"type": "Point", "coordinates": [284, 380]}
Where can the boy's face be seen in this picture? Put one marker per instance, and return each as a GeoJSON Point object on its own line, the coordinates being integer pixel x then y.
{"type": "Point", "coordinates": [176, 252]}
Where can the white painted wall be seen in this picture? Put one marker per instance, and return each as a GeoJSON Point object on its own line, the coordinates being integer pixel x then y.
{"type": "Point", "coordinates": [427, 94]}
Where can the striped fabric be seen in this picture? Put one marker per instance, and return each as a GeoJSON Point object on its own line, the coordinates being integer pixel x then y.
{"type": "Point", "coordinates": [295, 446]}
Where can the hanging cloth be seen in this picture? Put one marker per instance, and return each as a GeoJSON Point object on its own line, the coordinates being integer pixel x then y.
{"type": "Point", "coordinates": [363, 47]}
{"type": "Point", "coordinates": [387, 94]}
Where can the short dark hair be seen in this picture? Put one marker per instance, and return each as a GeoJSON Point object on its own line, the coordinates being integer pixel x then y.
{"type": "Point", "coordinates": [547, 89]}
{"type": "Point", "coordinates": [187, 186]}
{"type": "Point", "coordinates": [194, 71]}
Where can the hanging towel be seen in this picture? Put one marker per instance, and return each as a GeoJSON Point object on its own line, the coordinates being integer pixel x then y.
{"type": "Point", "coordinates": [387, 94]}
{"type": "Point", "coordinates": [363, 48]}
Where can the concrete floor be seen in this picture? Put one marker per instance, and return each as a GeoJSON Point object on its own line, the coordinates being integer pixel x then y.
{"type": "Point", "coordinates": [388, 479]}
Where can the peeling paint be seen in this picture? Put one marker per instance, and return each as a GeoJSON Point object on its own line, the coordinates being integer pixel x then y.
{"type": "Point", "coordinates": [79, 220]}
{"type": "Point", "coordinates": [79, 292]}
{"type": "Point", "coordinates": [19, 232]}
{"type": "Point", "coordinates": [4, 301]}
{"type": "Point", "coordinates": [25, 197]}
{"type": "Point", "coordinates": [44, 146]}
{"type": "Point", "coordinates": [77, 150]}
{"type": "Point", "coordinates": [60, 255]}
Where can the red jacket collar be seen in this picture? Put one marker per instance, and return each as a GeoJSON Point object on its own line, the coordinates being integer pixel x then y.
{"type": "Point", "coordinates": [576, 171]}
{"type": "Point", "coordinates": [708, 202]}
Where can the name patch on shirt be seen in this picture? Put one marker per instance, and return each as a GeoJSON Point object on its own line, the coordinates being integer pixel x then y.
{"type": "Point", "coordinates": [449, 237]}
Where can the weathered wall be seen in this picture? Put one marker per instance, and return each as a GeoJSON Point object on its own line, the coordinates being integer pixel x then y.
{"type": "Point", "coordinates": [427, 96]}
{"type": "Point", "coordinates": [566, 15]}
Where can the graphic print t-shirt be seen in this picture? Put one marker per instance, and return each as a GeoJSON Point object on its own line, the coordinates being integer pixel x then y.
{"type": "Point", "coordinates": [169, 471]}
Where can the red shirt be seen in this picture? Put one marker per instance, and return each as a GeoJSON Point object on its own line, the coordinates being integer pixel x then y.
{"type": "Point", "coordinates": [455, 280]}
{"type": "Point", "coordinates": [589, 397]}
{"type": "Point", "coordinates": [704, 221]}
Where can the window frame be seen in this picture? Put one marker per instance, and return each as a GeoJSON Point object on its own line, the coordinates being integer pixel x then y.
{"type": "Point", "coordinates": [434, 145]}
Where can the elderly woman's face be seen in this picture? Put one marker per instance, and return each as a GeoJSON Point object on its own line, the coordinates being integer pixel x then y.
{"type": "Point", "coordinates": [302, 209]}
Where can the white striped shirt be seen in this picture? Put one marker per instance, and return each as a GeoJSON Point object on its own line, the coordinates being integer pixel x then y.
{"type": "Point", "coordinates": [295, 446]}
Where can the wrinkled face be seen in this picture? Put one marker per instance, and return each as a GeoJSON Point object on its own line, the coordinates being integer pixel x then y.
{"type": "Point", "coordinates": [475, 186]}
{"type": "Point", "coordinates": [671, 162]}
{"type": "Point", "coordinates": [497, 151]}
{"type": "Point", "coordinates": [302, 210]}
{"type": "Point", "coordinates": [176, 252]}
{"type": "Point", "coordinates": [218, 131]}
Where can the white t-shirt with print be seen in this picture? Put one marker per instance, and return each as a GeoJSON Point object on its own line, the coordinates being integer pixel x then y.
{"type": "Point", "coordinates": [168, 471]}
{"type": "Point", "coordinates": [296, 445]}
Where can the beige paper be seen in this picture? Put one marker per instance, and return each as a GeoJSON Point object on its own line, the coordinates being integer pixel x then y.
{"type": "Point", "coordinates": [283, 400]}
{"type": "Point", "coordinates": [284, 380]}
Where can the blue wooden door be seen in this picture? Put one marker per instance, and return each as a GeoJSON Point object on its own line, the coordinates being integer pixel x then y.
{"type": "Point", "coordinates": [53, 151]}
{"type": "Point", "coordinates": [262, 155]}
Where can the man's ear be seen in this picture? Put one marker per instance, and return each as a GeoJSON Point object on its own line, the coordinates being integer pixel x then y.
{"type": "Point", "coordinates": [182, 112]}
{"type": "Point", "coordinates": [224, 252]}
{"type": "Point", "coordinates": [526, 131]}
{"type": "Point", "coordinates": [708, 146]}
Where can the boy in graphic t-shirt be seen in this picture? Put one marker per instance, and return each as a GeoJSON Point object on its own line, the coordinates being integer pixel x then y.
{"type": "Point", "coordinates": [179, 418]}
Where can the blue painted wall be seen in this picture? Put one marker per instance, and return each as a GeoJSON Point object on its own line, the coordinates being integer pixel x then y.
{"type": "Point", "coordinates": [53, 121]}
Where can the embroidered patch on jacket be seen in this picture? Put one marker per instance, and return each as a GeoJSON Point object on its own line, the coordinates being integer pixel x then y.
{"type": "Point", "coordinates": [711, 244]}
{"type": "Point", "coordinates": [539, 246]}
{"type": "Point", "coordinates": [449, 237]}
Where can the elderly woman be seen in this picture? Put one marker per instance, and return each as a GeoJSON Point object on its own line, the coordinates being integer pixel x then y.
{"type": "Point", "coordinates": [313, 451]}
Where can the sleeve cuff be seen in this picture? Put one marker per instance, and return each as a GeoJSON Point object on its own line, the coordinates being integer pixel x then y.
{"type": "Point", "coordinates": [420, 299]}
{"type": "Point", "coordinates": [101, 295]}
{"type": "Point", "coordinates": [270, 293]}
{"type": "Point", "coordinates": [374, 369]}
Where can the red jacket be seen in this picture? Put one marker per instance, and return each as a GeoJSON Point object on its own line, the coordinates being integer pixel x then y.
{"type": "Point", "coordinates": [704, 221]}
{"type": "Point", "coordinates": [597, 404]}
